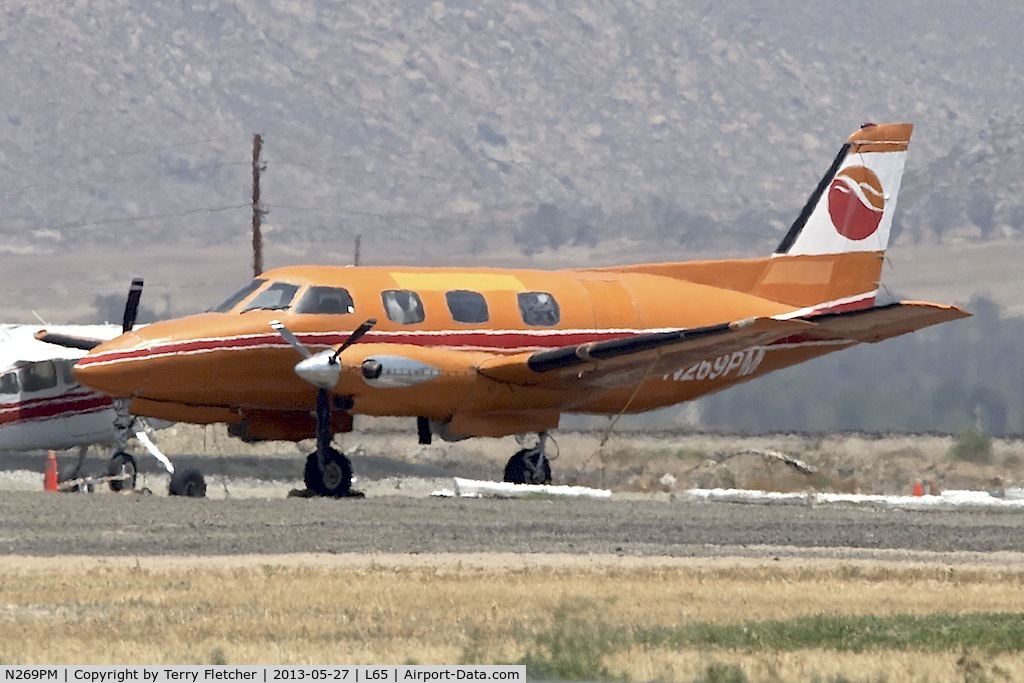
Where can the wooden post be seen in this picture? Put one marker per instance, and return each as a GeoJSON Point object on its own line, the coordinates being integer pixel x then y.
{"type": "Point", "coordinates": [257, 208]}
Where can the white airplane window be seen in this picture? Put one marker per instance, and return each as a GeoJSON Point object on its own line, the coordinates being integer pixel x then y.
{"type": "Point", "coordinates": [233, 300]}
{"type": "Point", "coordinates": [9, 383]}
{"type": "Point", "coordinates": [467, 307]}
{"type": "Point", "coordinates": [538, 309]}
{"type": "Point", "coordinates": [325, 300]}
{"type": "Point", "coordinates": [402, 306]}
{"type": "Point", "coordinates": [39, 376]}
{"type": "Point", "coordinates": [65, 372]}
{"type": "Point", "coordinates": [276, 297]}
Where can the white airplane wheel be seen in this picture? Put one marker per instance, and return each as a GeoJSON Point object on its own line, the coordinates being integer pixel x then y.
{"type": "Point", "coordinates": [122, 465]}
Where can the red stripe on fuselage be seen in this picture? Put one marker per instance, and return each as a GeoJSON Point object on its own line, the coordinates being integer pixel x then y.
{"type": "Point", "coordinates": [56, 407]}
{"type": "Point", "coordinates": [502, 341]}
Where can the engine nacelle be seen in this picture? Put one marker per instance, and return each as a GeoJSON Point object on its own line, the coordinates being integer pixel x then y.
{"type": "Point", "coordinates": [396, 372]}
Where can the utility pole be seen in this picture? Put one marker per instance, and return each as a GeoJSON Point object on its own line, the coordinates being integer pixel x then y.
{"type": "Point", "coordinates": [359, 242]}
{"type": "Point", "coordinates": [257, 207]}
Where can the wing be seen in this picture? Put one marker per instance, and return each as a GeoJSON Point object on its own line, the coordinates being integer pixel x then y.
{"type": "Point", "coordinates": [81, 337]}
{"type": "Point", "coordinates": [622, 362]}
{"type": "Point", "coordinates": [619, 362]}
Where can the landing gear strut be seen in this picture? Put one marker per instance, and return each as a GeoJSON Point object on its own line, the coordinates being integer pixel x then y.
{"type": "Point", "coordinates": [328, 472]}
{"type": "Point", "coordinates": [530, 465]}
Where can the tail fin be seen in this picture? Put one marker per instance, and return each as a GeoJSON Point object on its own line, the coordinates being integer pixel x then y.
{"type": "Point", "coordinates": [831, 258]}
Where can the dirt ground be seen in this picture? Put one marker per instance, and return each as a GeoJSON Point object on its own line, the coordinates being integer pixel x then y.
{"type": "Point", "coordinates": [649, 462]}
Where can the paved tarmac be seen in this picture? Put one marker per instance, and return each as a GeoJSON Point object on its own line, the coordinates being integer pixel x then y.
{"type": "Point", "coordinates": [38, 523]}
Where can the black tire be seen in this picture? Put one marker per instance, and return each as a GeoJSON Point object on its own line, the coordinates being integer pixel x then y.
{"type": "Point", "coordinates": [188, 482]}
{"type": "Point", "coordinates": [522, 468]}
{"type": "Point", "coordinates": [122, 464]}
{"type": "Point", "coordinates": [336, 479]}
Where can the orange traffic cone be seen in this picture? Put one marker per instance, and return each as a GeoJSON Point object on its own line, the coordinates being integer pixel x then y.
{"type": "Point", "coordinates": [50, 478]}
{"type": "Point", "coordinates": [918, 489]}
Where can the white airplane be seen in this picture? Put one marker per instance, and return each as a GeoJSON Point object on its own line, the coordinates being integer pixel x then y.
{"type": "Point", "coordinates": [42, 407]}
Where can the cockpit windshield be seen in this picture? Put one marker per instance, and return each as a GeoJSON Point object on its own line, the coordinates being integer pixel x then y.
{"type": "Point", "coordinates": [233, 300]}
{"type": "Point", "coordinates": [276, 297]}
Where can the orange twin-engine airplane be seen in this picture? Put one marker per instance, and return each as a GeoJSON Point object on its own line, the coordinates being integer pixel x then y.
{"type": "Point", "coordinates": [494, 352]}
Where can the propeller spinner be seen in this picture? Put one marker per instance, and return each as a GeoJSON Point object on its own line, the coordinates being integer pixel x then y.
{"type": "Point", "coordinates": [322, 370]}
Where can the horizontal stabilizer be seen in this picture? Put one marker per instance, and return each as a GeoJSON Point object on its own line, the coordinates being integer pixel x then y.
{"type": "Point", "coordinates": [884, 322]}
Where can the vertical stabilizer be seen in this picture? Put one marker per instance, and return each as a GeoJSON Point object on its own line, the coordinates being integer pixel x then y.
{"type": "Point", "coordinates": [831, 258]}
{"type": "Point", "coordinates": [852, 207]}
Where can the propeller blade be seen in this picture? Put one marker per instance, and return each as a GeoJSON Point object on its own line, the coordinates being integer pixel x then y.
{"type": "Point", "coordinates": [353, 338]}
{"type": "Point", "coordinates": [131, 306]}
{"type": "Point", "coordinates": [290, 338]}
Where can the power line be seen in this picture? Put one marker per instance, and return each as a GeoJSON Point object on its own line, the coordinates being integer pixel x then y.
{"type": "Point", "coordinates": [153, 217]}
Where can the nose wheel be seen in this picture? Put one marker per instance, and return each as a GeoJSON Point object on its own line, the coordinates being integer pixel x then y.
{"type": "Point", "coordinates": [334, 479]}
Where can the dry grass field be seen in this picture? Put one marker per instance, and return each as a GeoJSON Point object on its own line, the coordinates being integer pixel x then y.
{"type": "Point", "coordinates": [565, 617]}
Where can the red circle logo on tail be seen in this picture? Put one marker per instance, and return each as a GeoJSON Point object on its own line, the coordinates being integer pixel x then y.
{"type": "Point", "coordinates": [856, 202]}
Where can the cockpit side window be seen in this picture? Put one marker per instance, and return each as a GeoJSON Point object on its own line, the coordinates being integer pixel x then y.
{"type": "Point", "coordinates": [39, 376]}
{"type": "Point", "coordinates": [276, 297]}
{"type": "Point", "coordinates": [466, 306]}
{"type": "Point", "coordinates": [325, 300]}
{"type": "Point", "coordinates": [538, 309]}
{"type": "Point", "coordinates": [402, 306]}
{"type": "Point", "coordinates": [9, 383]}
{"type": "Point", "coordinates": [235, 298]}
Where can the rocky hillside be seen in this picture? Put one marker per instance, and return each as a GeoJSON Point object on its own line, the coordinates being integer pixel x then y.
{"type": "Point", "coordinates": [474, 128]}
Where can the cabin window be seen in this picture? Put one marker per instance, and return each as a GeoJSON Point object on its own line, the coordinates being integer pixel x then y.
{"type": "Point", "coordinates": [325, 300]}
{"type": "Point", "coordinates": [538, 309]}
{"type": "Point", "coordinates": [402, 306]}
{"type": "Point", "coordinates": [9, 383]}
{"type": "Point", "coordinates": [276, 297]}
{"type": "Point", "coordinates": [467, 307]}
{"type": "Point", "coordinates": [235, 298]}
{"type": "Point", "coordinates": [39, 376]}
{"type": "Point", "coordinates": [65, 372]}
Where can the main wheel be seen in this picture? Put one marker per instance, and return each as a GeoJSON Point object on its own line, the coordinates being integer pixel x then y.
{"type": "Point", "coordinates": [525, 467]}
{"type": "Point", "coordinates": [188, 482]}
{"type": "Point", "coordinates": [336, 479]}
{"type": "Point", "coordinates": [122, 465]}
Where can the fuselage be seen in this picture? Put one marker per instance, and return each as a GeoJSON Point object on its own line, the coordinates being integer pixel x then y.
{"type": "Point", "coordinates": [229, 360]}
{"type": "Point", "coordinates": [41, 404]}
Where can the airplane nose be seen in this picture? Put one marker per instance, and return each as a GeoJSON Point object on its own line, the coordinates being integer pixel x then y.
{"type": "Point", "coordinates": [114, 368]}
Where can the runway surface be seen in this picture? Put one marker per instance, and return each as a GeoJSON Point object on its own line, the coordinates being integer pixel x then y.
{"type": "Point", "coordinates": [35, 523]}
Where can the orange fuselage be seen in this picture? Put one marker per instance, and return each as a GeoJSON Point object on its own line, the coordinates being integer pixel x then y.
{"type": "Point", "coordinates": [221, 367]}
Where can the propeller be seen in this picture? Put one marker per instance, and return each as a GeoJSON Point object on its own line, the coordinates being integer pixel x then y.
{"type": "Point", "coordinates": [320, 369]}
{"type": "Point", "coordinates": [125, 424]}
{"type": "Point", "coordinates": [280, 328]}
{"type": "Point", "coordinates": [356, 335]}
{"type": "Point", "coordinates": [131, 306]}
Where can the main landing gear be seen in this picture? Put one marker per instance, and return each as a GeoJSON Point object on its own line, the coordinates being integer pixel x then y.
{"type": "Point", "coordinates": [530, 465]}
